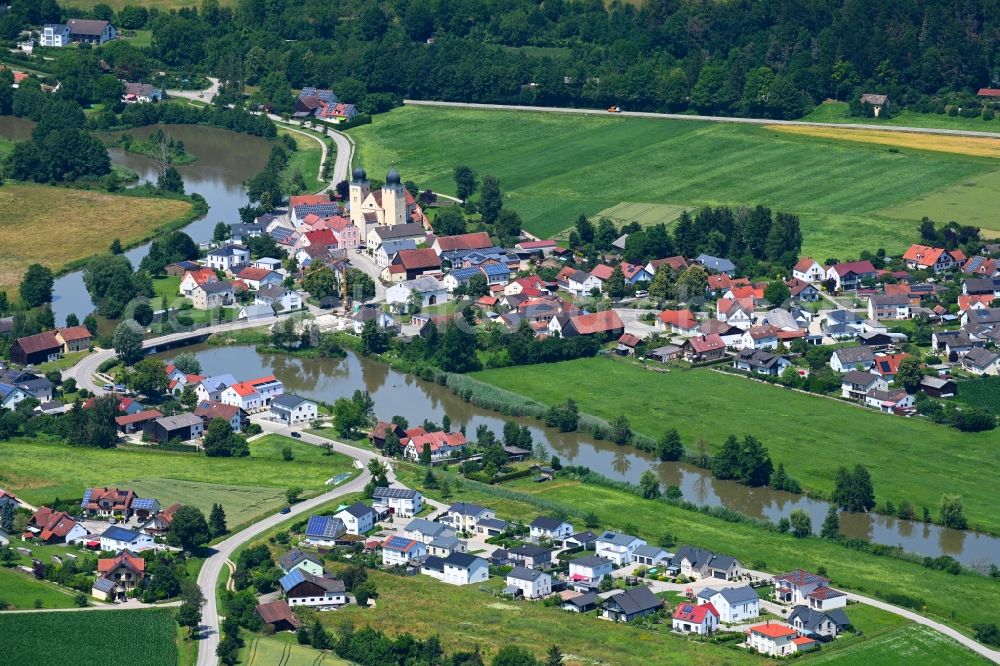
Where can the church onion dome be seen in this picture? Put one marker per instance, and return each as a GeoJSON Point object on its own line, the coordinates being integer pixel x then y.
{"type": "Point", "coordinates": [392, 178]}
{"type": "Point", "coordinates": [360, 174]}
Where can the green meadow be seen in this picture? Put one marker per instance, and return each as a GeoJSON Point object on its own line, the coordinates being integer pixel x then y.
{"type": "Point", "coordinates": [909, 459]}
{"type": "Point", "coordinates": [553, 167]}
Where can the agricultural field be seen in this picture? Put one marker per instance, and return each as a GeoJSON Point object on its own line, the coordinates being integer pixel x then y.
{"type": "Point", "coordinates": [948, 598]}
{"type": "Point", "coordinates": [136, 637]}
{"type": "Point", "coordinates": [971, 201]}
{"type": "Point", "coordinates": [983, 393]}
{"type": "Point", "coordinates": [553, 167]}
{"type": "Point", "coordinates": [46, 470]}
{"type": "Point", "coordinates": [913, 644]}
{"type": "Point", "coordinates": [92, 219]}
{"type": "Point", "coordinates": [687, 399]}
{"type": "Point", "coordinates": [284, 651]}
{"type": "Point", "coordinates": [836, 112]}
{"type": "Point", "coordinates": [646, 214]}
{"type": "Point", "coordinates": [959, 145]}
{"type": "Point", "coordinates": [23, 591]}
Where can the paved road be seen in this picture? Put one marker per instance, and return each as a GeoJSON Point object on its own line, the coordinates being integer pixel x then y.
{"type": "Point", "coordinates": [366, 264]}
{"type": "Point", "coordinates": [716, 119]}
{"type": "Point", "coordinates": [209, 576]}
{"type": "Point", "coordinates": [345, 151]}
{"type": "Point", "coordinates": [206, 95]}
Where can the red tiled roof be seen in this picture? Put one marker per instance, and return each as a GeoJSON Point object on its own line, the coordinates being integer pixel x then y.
{"type": "Point", "coordinates": [244, 389]}
{"type": "Point", "coordinates": [74, 333]}
{"type": "Point", "coordinates": [989, 92]}
{"type": "Point", "coordinates": [923, 255]}
{"type": "Point", "coordinates": [39, 342]}
{"type": "Point", "coordinates": [536, 245]}
{"type": "Point", "coordinates": [957, 255]}
{"type": "Point", "coordinates": [629, 340]}
{"type": "Point", "coordinates": [825, 593]}
{"type": "Point", "coordinates": [681, 318]}
{"type": "Point", "coordinates": [212, 409]}
{"type": "Point", "coordinates": [804, 264]}
{"type": "Point", "coordinates": [308, 200]}
{"type": "Point", "coordinates": [473, 241]}
{"type": "Point", "coordinates": [797, 286]}
{"type": "Point", "coordinates": [677, 263]}
{"type": "Point", "coordinates": [968, 301]}
{"type": "Point", "coordinates": [888, 364]}
{"type": "Point", "coordinates": [321, 237]}
{"type": "Point", "coordinates": [602, 271]}
{"type": "Point", "coordinates": [857, 267]}
{"type": "Point", "coordinates": [691, 613]}
{"type": "Point", "coordinates": [437, 440]}
{"type": "Point", "coordinates": [597, 322]}
{"type": "Point", "coordinates": [420, 259]}
{"type": "Point", "coordinates": [138, 417]}
{"type": "Point", "coordinates": [202, 275]}
{"type": "Point", "coordinates": [107, 564]}
{"type": "Point", "coordinates": [704, 343]}
{"type": "Point", "coordinates": [254, 273]}
{"type": "Point", "coordinates": [269, 379]}
{"type": "Point", "coordinates": [802, 640]}
{"type": "Point", "coordinates": [720, 282]}
{"type": "Point", "coordinates": [773, 630]}
{"type": "Point", "coordinates": [630, 270]}
{"type": "Point", "coordinates": [277, 611]}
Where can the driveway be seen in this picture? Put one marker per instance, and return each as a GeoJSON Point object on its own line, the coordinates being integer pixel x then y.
{"type": "Point", "coordinates": [630, 317]}
{"type": "Point", "coordinates": [206, 95]}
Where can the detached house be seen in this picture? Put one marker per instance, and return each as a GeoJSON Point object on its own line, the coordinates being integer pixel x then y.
{"type": "Point", "coordinates": [457, 569]}
{"type": "Point", "coordinates": [228, 258]}
{"type": "Point", "coordinates": [399, 551]}
{"type": "Point", "coordinates": [290, 409]}
{"type": "Point", "coordinates": [530, 583]}
{"type": "Point", "coordinates": [531, 556]}
{"type": "Point", "coordinates": [590, 569]}
{"type": "Point", "coordinates": [318, 592]}
{"type": "Point", "coordinates": [211, 295]}
{"type": "Point", "coordinates": [889, 307]}
{"type": "Point", "coordinates": [773, 639]}
{"type": "Point", "coordinates": [107, 502]}
{"type": "Point", "coordinates": [808, 269]}
{"type": "Point", "coordinates": [703, 348]}
{"type": "Point", "coordinates": [856, 384]}
{"type": "Point", "coordinates": [734, 604]}
{"type": "Point", "coordinates": [358, 518]}
{"type": "Point", "coordinates": [702, 619]}
{"type": "Point", "coordinates": [91, 32]}
{"type": "Point", "coordinates": [848, 276]}
{"type": "Point", "coordinates": [761, 362]}
{"type": "Point", "coordinates": [630, 604]}
{"type": "Point", "coordinates": [117, 576]}
{"type": "Point", "coordinates": [794, 587]}
{"type": "Point", "coordinates": [552, 529]}
{"type": "Point", "coordinates": [324, 530]}
{"type": "Point", "coordinates": [580, 283]}
{"type": "Point", "coordinates": [441, 444]}
{"type": "Point", "coordinates": [852, 358]}
{"type": "Point", "coordinates": [617, 547]}
{"type": "Point", "coordinates": [117, 539]}
{"type": "Point", "coordinates": [465, 517]}
{"type": "Point", "coordinates": [398, 501]}
{"type": "Point", "coordinates": [296, 559]}
{"type": "Point", "coordinates": [682, 322]}
{"type": "Point", "coordinates": [922, 257]}
{"type": "Point", "coordinates": [184, 427]}
{"type": "Point", "coordinates": [697, 563]}
{"type": "Point", "coordinates": [817, 624]}
{"type": "Point", "coordinates": [50, 526]}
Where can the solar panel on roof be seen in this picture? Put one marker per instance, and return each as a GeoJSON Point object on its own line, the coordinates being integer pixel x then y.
{"type": "Point", "coordinates": [291, 579]}
{"type": "Point", "coordinates": [394, 493]}
{"type": "Point", "coordinates": [86, 496]}
{"type": "Point", "coordinates": [144, 503]}
{"type": "Point", "coordinates": [398, 542]}
{"type": "Point", "coordinates": [104, 585]}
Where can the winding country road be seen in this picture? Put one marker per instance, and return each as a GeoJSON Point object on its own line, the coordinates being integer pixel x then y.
{"type": "Point", "coordinates": [714, 119]}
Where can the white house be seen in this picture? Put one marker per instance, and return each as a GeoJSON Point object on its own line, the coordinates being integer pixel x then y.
{"type": "Point", "coordinates": [581, 283]}
{"type": "Point", "coordinates": [702, 619]}
{"type": "Point", "coordinates": [289, 408]}
{"type": "Point", "coordinates": [852, 358]}
{"type": "Point", "coordinates": [55, 35]}
{"type": "Point", "coordinates": [318, 592]}
{"type": "Point", "coordinates": [255, 278]}
{"type": "Point", "coordinates": [889, 306]}
{"type": "Point", "coordinates": [734, 604]}
{"type": "Point", "coordinates": [809, 270]}
{"type": "Point", "coordinates": [429, 290]}
{"type": "Point", "coordinates": [227, 257]}
{"type": "Point", "coordinates": [324, 530]}
{"type": "Point", "coordinates": [531, 582]}
{"type": "Point", "coordinates": [425, 531]}
{"type": "Point", "coordinates": [795, 587]}
{"type": "Point", "coordinates": [650, 555]}
{"type": "Point", "coordinates": [464, 516]}
{"type": "Point", "coordinates": [399, 501]}
{"type": "Point", "coordinates": [296, 559]}
{"type": "Point", "coordinates": [358, 518]}
{"type": "Point", "coordinates": [117, 539]}
{"type": "Point", "coordinates": [855, 385]}
{"type": "Point", "coordinates": [279, 297]}
{"type": "Point", "coordinates": [242, 395]}
{"type": "Point", "coordinates": [590, 569]}
{"type": "Point", "coordinates": [773, 639]}
{"type": "Point", "coordinates": [617, 547]}
{"type": "Point", "coordinates": [211, 388]}
{"type": "Point", "coordinates": [697, 563]}
{"type": "Point", "coordinates": [465, 569]}
{"type": "Point", "coordinates": [399, 551]}
{"type": "Point", "coordinates": [552, 529]}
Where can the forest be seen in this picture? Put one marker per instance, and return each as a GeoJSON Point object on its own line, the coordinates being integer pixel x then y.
{"type": "Point", "coordinates": [770, 58]}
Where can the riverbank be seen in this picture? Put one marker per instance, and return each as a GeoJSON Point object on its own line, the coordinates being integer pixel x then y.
{"type": "Point", "coordinates": [698, 403]}
{"type": "Point", "coordinates": [157, 147]}
{"type": "Point", "coordinates": [62, 227]}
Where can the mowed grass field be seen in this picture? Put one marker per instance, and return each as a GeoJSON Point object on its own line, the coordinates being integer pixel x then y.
{"type": "Point", "coordinates": [41, 471]}
{"type": "Point", "coordinates": [23, 591]}
{"type": "Point", "coordinates": [553, 167]}
{"type": "Point", "coordinates": [914, 645]}
{"type": "Point", "coordinates": [282, 650]}
{"type": "Point", "coordinates": [909, 459]}
{"type": "Point", "coordinates": [55, 226]}
{"type": "Point", "coordinates": [961, 600]}
{"type": "Point", "coordinates": [970, 201]}
{"type": "Point", "coordinates": [836, 112]}
{"type": "Point", "coordinates": [135, 637]}
{"type": "Point", "coordinates": [306, 159]}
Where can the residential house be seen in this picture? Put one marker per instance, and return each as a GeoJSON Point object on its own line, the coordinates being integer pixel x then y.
{"type": "Point", "coordinates": [10, 396]}
{"type": "Point", "coordinates": [371, 312]}
{"type": "Point", "coordinates": [887, 365]}
{"type": "Point", "coordinates": [491, 527]}
{"type": "Point", "coordinates": [530, 583]}
{"type": "Point", "coordinates": [855, 384]}
{"type": "Point", "coordinates": [211, 295]}
{"type": "Point", "coordinates": [412, 232]}
{"type": "Point", "coordinates": [107, 502]}
{"type": "Point", "coordinates": [278, 614]}
{"type": "Point", "coordinates": [700, 619]}
{"type": "Point", "coordinates": [761, 337]}
{"type": "Point", "coordinates": [580, 283]}
{"type": "Point", "coordinates": [465, 517]}
{"type": "Point", "coordinates": [734, 604]}
{"type": "Point", "coordinates": [531, 556]}
{"type": "Point", "coordinates": [278, 297]}
{"type": "Point", "coordinates": [576, 602]}
{"type": "Point", "coordinates": [456, 569]}
{"type": "Point", "coordinates": [825, 598]}
{"type": "Point", "coordinates": [428, 290]}
{"type": "Point", "coordinates": [50, 526]}
{"type": "Point", "coordinates": [888, 307]}
{"type": "Point", "coordinates": [417, 262]}
{"type": "Point", "coordinates": [794, 587]}
{"type": "Point", "coordinates": [184, 427]}
{"type": "Point", "coordinates": [317, 592]}
{"type": "Point", "coordinates": [296, 559]}
{"type": "Point", "coordinates": [986, 317]}
{"type": "Point", "coordinates": [703, 348]}
{"type": "Point", "coordinates": [982, 266]}
{"type": "Point", "coordinates": [399, 551]}
{"type": "Point", "coordinates": [209, 410]}
{"type": "Point", "coordinates": [55, 35]}
{"type": "Point", "coordinates": [681, 322]}
{"type": "Point", "coordinates": [772, 638]}
{"type": "Point", "coordinates": [324, 530]}
{"type": "Point", "coordinates": [38, 348]}
{"type": "Point", "coordinates": [441, 444]}
{"type": "Point", "coordinates": [731, 335]}
{"type": "Point", "coordinates": [425, 531]}
{"type": "Point", "coordinates": [399, 501]}
{"type": "Point", "coordinates": [698, 563]}
{"type": "Point", "coordinates": [590, 569]}
{"type": "Point", "coordinates": [716, 264]}
{"type": "Point", "coordinates": [479, 240]}
{"type": "Point", "coordinates": [382, 430]}
{"type": "Point", "coordinates": [954, 344]}
{"type": "Point", "coordinates": [358, 518]}
{"type": "Point", "coordinates": [228, 258]}
{"type": "Point", "coordinates": [131, 423]}
{"type": "Point", "coordinates": [116, 539]}
{"type": "Point", "coordinates": [240, 233]}
{"type": "Point", "coordinates": [255, 277]}
{"type": "Point", "coordinates": [91, 32]}
{"type": "Point", "coordinates": [890, 401]}
{"type": "Point", "coordinates": [303, 205]}
{"type": "Point", "coordinates": [141, 93]}
{"type": "Point", "coordinates": [761, 362]}
{"type": "Point", "coordinates": [842, 323]}
{"type": "Point", "coordinates": [650, 556]}
{"type": "Point", "coordinates": [117, 576]}
{"type": "Point", "coordinates": [924, 258]}
{"type": "Point", "coordinates": [808, 269]}
{"type": "Point", "coordinates": [848, 276]}
{"type": "Point", "coordinates": [211, 388]}
{"type": "Point", "coordinates": [553, 529]}
{"type": "Point", "coordinates": [846, 359]}
{"type": "Point", "coordinates": [606, 322]}
{"type": "Point", "coordinates": [630, 604]}
{"type": "Point", "coordinates": [980, 361]}
{"type": "Point", "coordinates": [242, 395]}
{"type": "Point", "coordinates": [444, 545]}
{"type": "Point", "coordinates": [817, 624]}
{"type": "Point", "coordinates": [159, 523]}
{"type": "Point", "coordinates": [735, 312]}
{"type": "Point", "coordinates": [195, 278]}
{"type": "Point", "coordinates": [802, 291]}
{"type": "Point", "coordinates": [617, 547]}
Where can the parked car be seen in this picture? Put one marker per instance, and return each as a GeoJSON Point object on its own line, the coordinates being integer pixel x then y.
{"type": "Point", "coordinates": [296, 434]}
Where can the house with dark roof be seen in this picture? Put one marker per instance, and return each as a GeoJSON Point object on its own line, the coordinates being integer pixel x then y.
{"type": "Point", "coordinates": [425, 531]}
{"type": "Point", "coordinates": [795, 586]}
{"type": "Point", "coordinates": [760, 362]}
{"type": "Point", "coordinates": [698, 563]}
{"type": "Point", "coordinates": [529, 583]}
{"type": "Point", "coordinates": [849, 275]}
{"type": "Point", "coordinates": [817, 624]}
{"type": "Point", "coordinates": [91, 32]}
{"type": "Point", "coordinates": [553, 529]}
{"type": "Point", "coordinates": [358, 518]}
{"type": "Point", "coordinates": [716, 264]}
{"type": "Point", "coordinates": [734, 604]}
{"type": "Point", "coordinates": [116, 539]}
{"type": "Point", "coordinates": [297, 559]}
{"type": "Point", "coordinates": [318, 592]}
{"type": "Point", "coordinates": [324, 530]}
{"type": "Point", "coordinates": [579, 602]}
{"type": "Point", "coordinates": [184, 427]}
{"type": "Point", "coordinates": [531, 555]}
{"type": "Point", "coordinates": [290, 409]}
{"type": "Point", "coordinates": [457, 568]}
{"type": "Point", "coordinates": [398, 501]}
{"type": "Point", "coordinates": [846, 359]}
{"type": "Point", "coordinates": [980, 361]}
{"type": "Point", "coordinates": [855, 384]}
{"type": "Point", "coordinates": [650, 556]}
{"type": "Point", "coordinates": [630, 604]}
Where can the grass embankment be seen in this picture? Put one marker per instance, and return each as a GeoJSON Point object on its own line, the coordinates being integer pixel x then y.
{"type": "Point", "coordinates": [552, 167]}
{"type": "Point", "coordinates": [282, 649]}
{"type": "Point", "coordinates": [961, 600]}
{"type": "Point", "coordinates": [138, 637]}
{"type": "Point", "coordinates": [62, 227]}
{"type": "Point", "coordinates": [909, 459]}
{"type": "Point", "coordinates": [305, 159]}
{"type": "Point", "coordinates": [246, 487]}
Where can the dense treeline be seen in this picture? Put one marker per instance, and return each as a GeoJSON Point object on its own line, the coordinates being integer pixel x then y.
{"type": "Point", "coordinates": [772, 58]}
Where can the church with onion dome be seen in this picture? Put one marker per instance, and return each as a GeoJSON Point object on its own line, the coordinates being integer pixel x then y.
{"type": "Point", "coordinates": [388, 206]}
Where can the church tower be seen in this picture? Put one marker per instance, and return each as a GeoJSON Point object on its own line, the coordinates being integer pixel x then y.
{"type": "Point", "coordinates": [393, 199]}
{"type": "Point", "coordinates": [358, 192]}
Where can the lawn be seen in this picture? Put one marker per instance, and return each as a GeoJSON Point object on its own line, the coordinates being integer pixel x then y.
{"type": "Point", "coordinates": [241, 503]}
{"type": "Point", "coordinates": [553, 167]}
{"type": "Point", "coordinates": [961, 600]}
{"type": "Point", "coordinates": [167, 287]}
{"type": "Point", "coordinates": [91, 219]}
{"type": "Point", "coordinates": [67, 361]}
{"type": "Point", "coordinates": [464, 617]}
{"type": "Point", "coordinates": [23, 591]}
{"type": "Point", "coordinates": [306, 159]}
{"type": "Point", "coordinates": [282, 649]}
{"type": "Point", "coordinates": [811, 435]}
{"type": "Point", "coordinates": [836, 112]}
{"type": "Point", "coordinates": [914, 645]}
{"type": "Point", "coordinates": [41, 471]}
{"type": "Point", "coordinates": [135, 637]}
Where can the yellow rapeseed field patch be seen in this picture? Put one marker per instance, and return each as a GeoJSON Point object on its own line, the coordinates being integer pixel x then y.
{"type": "Point", "coordinates": [961, 145]}
{"type": "Point", "coordinates": [54, 226]}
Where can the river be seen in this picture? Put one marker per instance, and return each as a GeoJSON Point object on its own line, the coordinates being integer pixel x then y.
{"type": "Point", "coordinates": [397, 393]}
{"type": "Point", "coordinates": [226, 159]}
